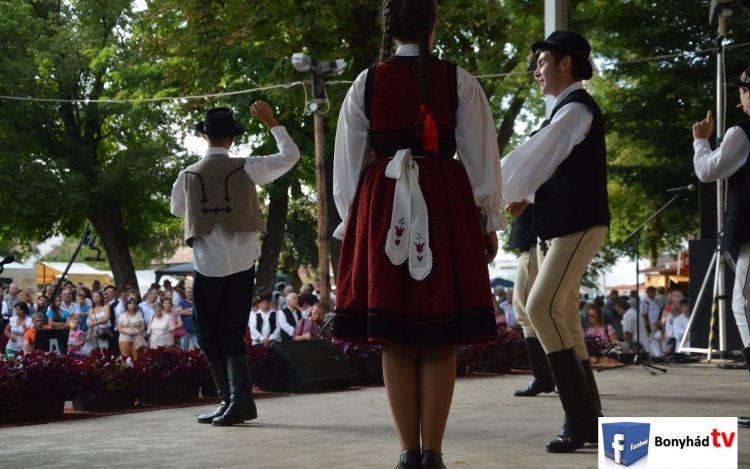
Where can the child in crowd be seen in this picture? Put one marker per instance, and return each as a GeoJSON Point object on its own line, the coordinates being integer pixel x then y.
{"type": "Point", "coordinates": [657, 339]}
{"type": "Point", "coordinates": [75, 338]}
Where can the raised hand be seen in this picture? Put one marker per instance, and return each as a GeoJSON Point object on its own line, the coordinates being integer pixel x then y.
{"type": "Point", "coordinates": [704, 128]}
{"type": "Point", "coordinates": [262, 111]}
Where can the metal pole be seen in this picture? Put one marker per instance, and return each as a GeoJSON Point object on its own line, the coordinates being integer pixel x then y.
{"type": "Point", "coordinates": [555, 19]}
{"type": "Point", "coordinates": [320, 158]}
{"type": "Point", "coordinates": [721, 263]}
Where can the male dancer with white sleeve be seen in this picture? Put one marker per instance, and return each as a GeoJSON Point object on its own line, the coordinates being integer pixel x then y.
{"type": "Point", "coordinates": [731, 162]}
{"type": "Point", "coordinates": [222, 213]}
{"type": "Point", "coordinates": [562, 169]}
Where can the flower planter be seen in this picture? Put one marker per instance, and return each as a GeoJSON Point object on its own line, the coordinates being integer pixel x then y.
{"type": "Point", "coordinates": [170, 394]}
{"type": "Point", "coordinates": [108, 401]}
{"type": "Point", "coordinates": [33, 407]}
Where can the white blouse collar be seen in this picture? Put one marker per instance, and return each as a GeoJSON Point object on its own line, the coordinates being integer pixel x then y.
{"type": "Point", "coordinates": [408, 49]}
{"type": "Point", "coordinates": [216, 151]}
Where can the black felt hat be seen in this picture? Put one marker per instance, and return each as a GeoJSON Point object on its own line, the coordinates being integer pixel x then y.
{"type": "Point", "coordinates": [265, 298]}
{"type": "Point", "coordinates": [742, 80]}
{"type": "Point", "coordinates": [220, 122]}
{"type": "Point", "coordinates": [572, 44]}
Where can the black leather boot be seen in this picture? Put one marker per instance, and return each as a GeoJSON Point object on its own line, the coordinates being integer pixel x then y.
{"type": "Point", "coordinates": [542, 380]}
{"type": "Point", "coordinates": [744, 422]}
{"type": "Point", "coordinates": [219, 373]}
{"type": "Point", "coordinates": [241, 404]}
{"type": "Point", "coordinates": [432, 460]}
{"type": "Point", "coordinates": [409, 460]}
{"type": "Point", "coordinates": [581, 414]}
{"type": "Point", "coordinates": [592, 385]}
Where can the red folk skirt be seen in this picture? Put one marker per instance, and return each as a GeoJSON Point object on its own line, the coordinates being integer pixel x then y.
{"type": "Point", "coordinates": [378, 302]}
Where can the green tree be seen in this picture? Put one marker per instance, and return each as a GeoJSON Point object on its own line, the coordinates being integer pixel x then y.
{"type": "Point", "coordinates": [110, 164]}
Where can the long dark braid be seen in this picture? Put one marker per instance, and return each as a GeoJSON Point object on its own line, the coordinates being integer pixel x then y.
{"type": "Point", "coordinates": [410, 20]}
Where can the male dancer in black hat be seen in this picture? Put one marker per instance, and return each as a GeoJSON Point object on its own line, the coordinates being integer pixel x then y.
{"type": "Point", "coordinates": [731, 161]}
{"type": "Point", "coordinates": [222, 214]}
{"type": "Point", "coordinates": [562, 169]}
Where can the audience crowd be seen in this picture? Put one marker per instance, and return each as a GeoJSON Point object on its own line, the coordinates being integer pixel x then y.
{"type": "Point", "coordinates": [120, 320]}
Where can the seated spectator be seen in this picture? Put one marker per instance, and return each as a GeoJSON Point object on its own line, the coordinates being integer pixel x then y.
{"type": "Point", "coordinates": [130, 324]}
{"type": "Point", "coordinates": [83, 312]}
{"type": "Point", "coordinates": [263, 326]}
{"type": "Point", "coordinates": [57, 316]}
{"type": "Point", "coordinates": [75, 337]}
{"type": "Point", "coordinates": [289, 317]}
{"type": "Point", "coordinates": [304, 304]}
{"type": "Point", "coordinates": [309, 328]}
{"type": "Point", "coordinates": [597, 327]}
{"type": "Point", "coordinates": [20, 323]}
{"type": "Point", "coordinates": [675, 296]}
{"type": "Point", "coordinates": [37, 322]}
{"type": "Point", "coordinates": [676, 326]}
{"type": "Point", "coordinates": [99, 332]}
{"type": "Point", "coordinates": [500, 319]}
{"type": "Point", "coordinates": [657, 339]}
{"type": "Point", "coordinates": [507, 307]}
{"type": "Point", "coordinates": [160, 329]}
{"type": "Point", "coordinates": [631, 320]}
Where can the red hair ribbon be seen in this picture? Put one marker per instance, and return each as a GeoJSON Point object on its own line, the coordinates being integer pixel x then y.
{"type": "Point", "coordinates": [427, 131]}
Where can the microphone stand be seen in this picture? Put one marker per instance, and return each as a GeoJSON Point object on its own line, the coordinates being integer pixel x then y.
{"type": "Point", "coordinates": [641, 358]}
{"type": "Point", "coordinates": [86, 239]}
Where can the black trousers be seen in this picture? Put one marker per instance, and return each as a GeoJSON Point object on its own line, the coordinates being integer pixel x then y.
{"type": "Point", "coordinates": [221, 310]}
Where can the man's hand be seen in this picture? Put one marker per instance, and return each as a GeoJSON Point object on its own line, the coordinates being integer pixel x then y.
{"type": "Point", "coordinates": [262, 111]}
{"type": "Point", "coordinates": [490, 245]}
{"type": "Point", "coordinates": [704, 128]}
{"type": "Point", "coordinates": [267, 342]}
{"type": "Point", "coordinates": [516, 208]}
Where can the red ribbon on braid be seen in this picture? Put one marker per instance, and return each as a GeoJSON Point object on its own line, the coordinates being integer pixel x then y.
{"type": "Point", "coordinates": [427, 131]}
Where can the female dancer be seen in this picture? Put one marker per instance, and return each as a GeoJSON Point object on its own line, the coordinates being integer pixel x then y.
{"type": "Point", "coordinates": [413, 273]}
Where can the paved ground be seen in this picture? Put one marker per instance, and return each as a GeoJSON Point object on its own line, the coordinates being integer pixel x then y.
{"type": "Point", "coordinates": [488, 428]}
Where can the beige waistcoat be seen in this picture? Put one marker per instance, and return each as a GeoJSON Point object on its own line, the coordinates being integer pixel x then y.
{"type": "Point", "coordinates": [217, 190]}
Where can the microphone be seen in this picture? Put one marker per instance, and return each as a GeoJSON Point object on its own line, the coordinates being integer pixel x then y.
{"type": "Point", "coordinates": [690, 188]}
{"type": "Point", "coordinates": [7, 260]}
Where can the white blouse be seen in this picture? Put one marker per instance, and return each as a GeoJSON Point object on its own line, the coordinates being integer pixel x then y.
{"type": "Point", "coordinates": [475, 138]}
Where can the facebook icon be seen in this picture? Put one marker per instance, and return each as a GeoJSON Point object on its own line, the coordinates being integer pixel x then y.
{"type": "Point", "coordinates": [625, 442]}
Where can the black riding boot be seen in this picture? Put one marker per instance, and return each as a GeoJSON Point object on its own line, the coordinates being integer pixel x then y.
{"type": "Point", "coordinates": [542, 380]}
{"type": "Point", "coordinates": [581, 424]}
{"type": "Point", "coordinates": [219, 373]}
{"type": "Point", "coordinates": [592, 384]}
{"type": "Point", "coordinates": [432, 460]}
{"type": "Point", "coordinates": [241, 404]}
{"type": "Point", "coordinates": [744, 422]}
{"type": "Point", "coordinates": [409, 460]}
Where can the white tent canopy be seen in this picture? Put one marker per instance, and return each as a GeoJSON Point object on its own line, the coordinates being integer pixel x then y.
{"type": "Point", "coordinates": [22, 275]}
{"type": "Point", "coordinates": [79, 272]}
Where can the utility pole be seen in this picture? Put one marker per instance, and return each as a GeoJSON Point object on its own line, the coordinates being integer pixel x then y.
{"type": "Point", "coordinates": [555, 19]}
{"type": "Point", "coordinates": [319, 72]}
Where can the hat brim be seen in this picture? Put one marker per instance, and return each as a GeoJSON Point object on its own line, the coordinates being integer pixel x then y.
{"type": "Point", "coordinates": [238, 129]}
{"type": "Point", "coordinates": [738, 81]}
{"type": "Point", "coordinates": [587, 70]}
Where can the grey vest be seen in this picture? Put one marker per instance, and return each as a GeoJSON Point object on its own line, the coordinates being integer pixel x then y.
{"type": "Point", "coordinates": [217, 190]}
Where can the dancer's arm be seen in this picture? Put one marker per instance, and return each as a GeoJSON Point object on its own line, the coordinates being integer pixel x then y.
{"type": "Point", "coordinates": [351, 155]}
{"type": "Point", "coordinates": [725, 160]}
{"type": "Point", "coordinates": [477, 149]}
{"type": "Point", "coordinates": [265, 169]}
{"type": "Point", "coordinates": [531, 164]}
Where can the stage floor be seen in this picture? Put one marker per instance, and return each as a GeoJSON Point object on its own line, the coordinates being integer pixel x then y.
{"type": "Point", "coordinates": [488, 427]}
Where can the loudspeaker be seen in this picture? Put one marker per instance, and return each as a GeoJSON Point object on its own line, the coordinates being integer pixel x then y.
{"type": "Point", "coordinates": [308, 366]}
{"type": "Point", "coordinates": [701, 251]}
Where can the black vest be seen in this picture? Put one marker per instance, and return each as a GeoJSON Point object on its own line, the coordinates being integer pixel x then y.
{"type": "Point", "coordinates": [292, 317]}
{"type": "Point", "coordinates": [575, 197]}
{"type": "Point", "coordinates": [521, 234]}
{"type": "Point", "coordinates": [271, 321]}
{"type": "Point", "coordinates": [737, 221]}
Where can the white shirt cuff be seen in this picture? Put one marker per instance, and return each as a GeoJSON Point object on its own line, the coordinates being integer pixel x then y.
{"type": "Point", "coordinates": [496, 222]}
{"type": "Point", "coordinates": [339, 233]}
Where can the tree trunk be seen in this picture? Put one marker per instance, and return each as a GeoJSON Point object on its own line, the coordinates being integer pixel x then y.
{"type": "Point", "coordinates": [273, 240]}
{"type": "Point", "coordinates": [334, 245]}
{"type": "Point", "coordinates": [291, 268]}
{"type": "Point", "coordinates": [111, 231]}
